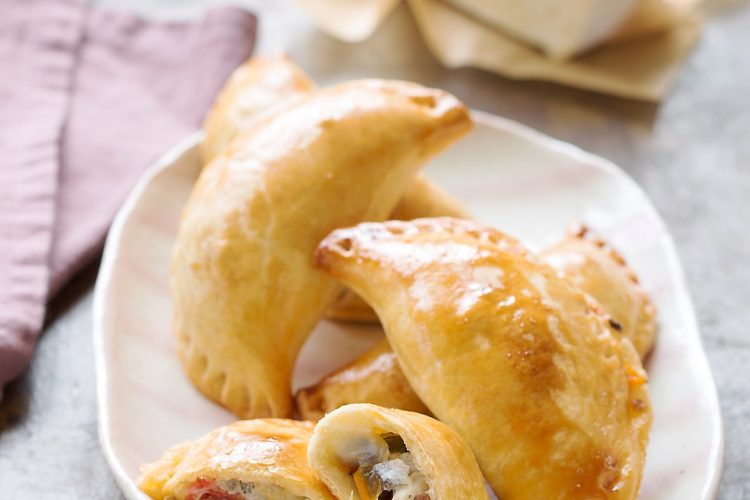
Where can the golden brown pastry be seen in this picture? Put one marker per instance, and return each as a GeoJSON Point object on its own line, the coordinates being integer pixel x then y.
{"type": "Point", "coordinates": [256, 90]}
{"type": "Point", "coordinates": [374, 377]}
{"type": "Point", "coordinates": [505, 351]}
{"type": "Point", "coordinates": [365, 452]}
{"type": "Point", "coordinates": [587, 262]}
{"type": "Point", "coordinates": [600, 271]}
{"type": "Point", "coordinates": [258, 459]}
{"type": "Point", "coordinates": [245, 294]}
{"type": "Point", "coordinates": [263, 86]}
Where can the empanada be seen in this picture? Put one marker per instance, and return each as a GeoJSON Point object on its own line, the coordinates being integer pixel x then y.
{"type": "Point", "coordinates": [590, 264]}
{"type": "Point", "coordinates": [600, 271]}
{"type": "Point", "coordinates": [265, 85]}
{"type": "Point", "coordinates": [258, 88]}
{"type": "Point", "coordinates": [245, 294]}
{"type": "Point", "coordinates": [366, 452]}
{"type": "Point", "coordinates": [375, 377]}
{"type": "Point", "coordinates": [258, 459]}
{"type": "Point", "coordinates": [505, 351]}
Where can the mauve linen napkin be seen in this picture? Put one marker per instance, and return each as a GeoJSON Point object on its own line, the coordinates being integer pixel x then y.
{"type": "Point", "coordinates": [88, 99]}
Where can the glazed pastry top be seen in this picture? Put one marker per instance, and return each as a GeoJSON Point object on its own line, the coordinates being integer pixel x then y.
{"type": "Point", "coordinates": [245, 294]}
{"type": "Point", "coordinates": [505, 351]}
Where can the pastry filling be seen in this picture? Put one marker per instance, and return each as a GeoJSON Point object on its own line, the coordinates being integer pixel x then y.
{"type": "Point", "coordinates": [233, 489]}
{"type": "Point", "coordinates": [385, 470]}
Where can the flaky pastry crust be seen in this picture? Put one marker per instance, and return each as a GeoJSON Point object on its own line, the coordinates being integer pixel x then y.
{"type": "Point", "coordinates": [263, 86]}
{"type": "Point", "coordinates": [261, 451]}
{"type": "Point", "coordinates": [244, 292]}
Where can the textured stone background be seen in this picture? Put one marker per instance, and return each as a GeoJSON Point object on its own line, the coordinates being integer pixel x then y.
{"type": "Point", "coordinates": [691, 154]}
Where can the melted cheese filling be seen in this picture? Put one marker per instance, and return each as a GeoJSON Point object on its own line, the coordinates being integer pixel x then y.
{"type": "Point", "coordinates": [388, 476]}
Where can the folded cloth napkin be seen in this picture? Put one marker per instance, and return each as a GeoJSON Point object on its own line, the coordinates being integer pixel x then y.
{"type": "Point", "coordinates": [88, 100]}
{"type": "Point", "coordinates": [638, 60]}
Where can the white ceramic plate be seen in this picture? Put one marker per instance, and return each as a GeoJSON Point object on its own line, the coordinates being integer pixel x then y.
{"type": "Point", "coordinates": [520, 181]}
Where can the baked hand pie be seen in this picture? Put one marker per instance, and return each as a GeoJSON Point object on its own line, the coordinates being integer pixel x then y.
{"type": "Point", "coordinates": [257, 459]}
{"type": "Point", "coordinates": [263, 86]}
{"type": "Point", "coordinates": [258, 88]}
{"type": "Point", "coordinates": [366, 452]}
{"type": "Point", "coordinates": [597, 269]}
{"type": "Point", "coordinates": [245, 295]}
{"type": "Point", "coordinates": [375, 377]}
{"type": "Point", "coordinates": [518, 361]}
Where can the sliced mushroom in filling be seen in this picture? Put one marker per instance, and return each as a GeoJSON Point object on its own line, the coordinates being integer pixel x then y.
{"type": "Point", "coordinates": [385, 470]}
{"type": "Point", "coordinates": [233, 489]}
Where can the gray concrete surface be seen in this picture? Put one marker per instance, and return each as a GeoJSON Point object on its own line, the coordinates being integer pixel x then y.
{"type": "Point", "coordinates": [691, 154]}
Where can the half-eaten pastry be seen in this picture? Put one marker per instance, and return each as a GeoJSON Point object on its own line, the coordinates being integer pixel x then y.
{"type": "Point", "coordinates": [366, 452]}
